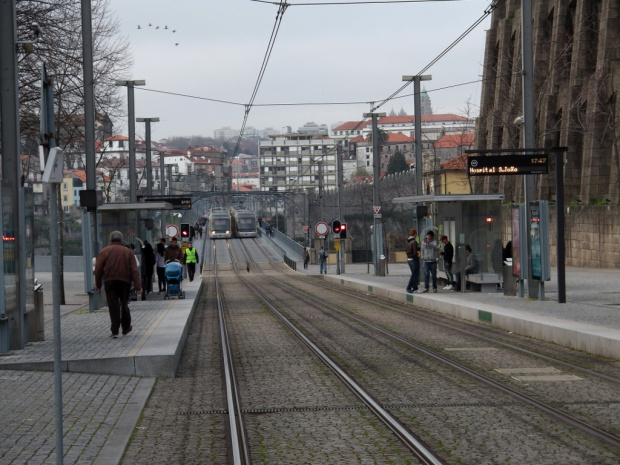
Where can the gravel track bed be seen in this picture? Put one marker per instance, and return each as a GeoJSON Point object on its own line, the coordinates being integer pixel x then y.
{"type": "Point", "coordinates": [588, 398]}
{"type": "Point", "coordinates": [183, 421]}
{"type": "Point", "coordinates": [297, 410]}
{"type": "Point", "coordinates": [469, 422]}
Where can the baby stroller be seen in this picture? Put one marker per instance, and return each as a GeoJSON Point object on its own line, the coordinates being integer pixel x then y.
{"type": "Point", "coordinates": [174, 278]}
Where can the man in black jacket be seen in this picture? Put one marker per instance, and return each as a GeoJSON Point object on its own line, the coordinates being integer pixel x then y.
{"type": "Point", "coordinates": [448, 257]}
{"type": "Point", "coordinates": [413, 260]}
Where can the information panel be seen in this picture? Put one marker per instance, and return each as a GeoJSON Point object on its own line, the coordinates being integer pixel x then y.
{"type": "Point", "coordinates": [178, 202]}
{"type": "Point", "coordinates": [502, 165]}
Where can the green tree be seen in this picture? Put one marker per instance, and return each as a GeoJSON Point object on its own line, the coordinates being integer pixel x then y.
{"type": "Point", "coordinates": [361, 172]}
{"type": "Point", "coordinates": [397, 163]}
{"type": "Point", "coordinates": [382, 134]}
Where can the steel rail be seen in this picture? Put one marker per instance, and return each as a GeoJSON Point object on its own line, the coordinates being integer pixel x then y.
{"type": "Point", "coordinates": [239, 443]}
{"type": "Point", "coordinates": [552, 411]}
{"type": "Point", "coordinates": [413, 444]}
{"type": "Point", "coordinates": [490, 339]}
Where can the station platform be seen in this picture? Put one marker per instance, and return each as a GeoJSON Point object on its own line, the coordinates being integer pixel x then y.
{"type": "Point", "coordinates": [152, 349]}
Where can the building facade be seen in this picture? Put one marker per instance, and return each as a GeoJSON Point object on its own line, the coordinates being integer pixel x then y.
{"type": "Point", "coordinates": [576, 55]}
{"type": "Point", "coordinates": [291, 162]}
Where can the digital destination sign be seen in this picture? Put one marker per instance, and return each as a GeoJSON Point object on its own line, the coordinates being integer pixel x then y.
{"type": "Point", "coordinates": [502, 165]}
{"type": "Point", "coordinates": [178, 202]}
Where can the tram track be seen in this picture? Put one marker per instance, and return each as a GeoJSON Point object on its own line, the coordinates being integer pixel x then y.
{"type": "Point", "coordinates": [413, 444]}
{"type": "Point", "coordinates": [296, 410]}
{"type": "Point", "coordinates": [559, 415]}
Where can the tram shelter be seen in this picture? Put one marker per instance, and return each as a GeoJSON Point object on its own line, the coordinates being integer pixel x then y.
{"type": "Point", "coordinates": [137, 221]}
{"type": "Point", "coordinates": [467, 219]}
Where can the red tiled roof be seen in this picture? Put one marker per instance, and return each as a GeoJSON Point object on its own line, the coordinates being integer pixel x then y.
{"type": "Point", "coordinates": [456, 163]}
{"type": "Point", "coordinates": [399, 137]}
{"type": "Point", "coordinates": [350, 125]}
{"type": "Point", "coordinates": [118, 137]}
{"type": "Point", "coordinates": [454, 140]}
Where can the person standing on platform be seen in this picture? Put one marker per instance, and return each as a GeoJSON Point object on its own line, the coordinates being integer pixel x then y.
{"type": "Point", "coordinates": [448, 257]}
{"type": "Point", "coordinates": [191, 258]}
{"type": "Point", "coordinates": [148, 261]}
{"type": "Point", "coordinates": [161, 265]}
{"type": "Point", "coordinates": [429, 257]}
{"type": "Point", "coordinates": [306, 258]}
{"type": "Point", "coordinates": [116, 269]}
{"type": "Point", "coordinates": [322, 261]}
{"type": "Point", "coordinates": [413, 260]}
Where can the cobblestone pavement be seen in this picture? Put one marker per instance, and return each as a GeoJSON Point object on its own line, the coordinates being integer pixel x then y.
{"type": "Point", "coordinates": [93, 406]}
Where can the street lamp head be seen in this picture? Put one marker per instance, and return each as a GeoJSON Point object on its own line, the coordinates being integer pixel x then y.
{"type": "Point", "coordinates": [424, 77]}
{"type": "Point", "coordinates": [144, 120]}
{"type": "Point", "coordinates": [140, 82]}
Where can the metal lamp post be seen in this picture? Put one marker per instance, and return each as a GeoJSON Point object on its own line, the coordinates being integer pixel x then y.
{"type": "Point", "coordinates": [133, 197]}
{"type": "Point", "coordinates": [417, 115]}
{"type": "Point", "coordinates": [149, 173]}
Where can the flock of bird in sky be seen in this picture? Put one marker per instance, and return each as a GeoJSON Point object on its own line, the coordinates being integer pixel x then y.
{"type": "Point", "coordinates": [164, 29]}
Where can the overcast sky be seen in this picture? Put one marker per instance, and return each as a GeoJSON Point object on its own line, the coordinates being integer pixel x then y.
{"type": "Point", "coordinates": [323, 54]}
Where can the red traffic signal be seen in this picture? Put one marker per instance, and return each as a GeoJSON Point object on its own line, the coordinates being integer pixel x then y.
{"type": "Point", "coordinates": [185, 230]}
{"type": "Point", "coordinates": [343, 230]}
{"type": "Point", "coordinates": [336, 226]}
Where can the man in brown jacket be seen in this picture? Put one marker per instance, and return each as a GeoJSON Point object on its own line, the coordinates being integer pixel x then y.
{"type": "Point", "coordinates": [173, 252]}
{"type": "Point", "coordinates": [116, 267]}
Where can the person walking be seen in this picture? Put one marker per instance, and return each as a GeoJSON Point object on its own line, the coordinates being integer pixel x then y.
{"type": "Point", "coordinates": [161, 266]}
{"type": "Point", "coordinates": [413, 260]}
{"type": "Point", "coordinates": [173, 252]}
{"type": "Point", "coordinates": [116, 269]}
{"type": "Point", "coordinates": [191, 258]}
{"type": "Point", "coordinates": [322, 261]}
{"type": "Point", "coordinates": [429, 257]}
{"type": "Point", "coordinates": [306, 258]}
{"type": "Point", "coordinates": [448, 257]}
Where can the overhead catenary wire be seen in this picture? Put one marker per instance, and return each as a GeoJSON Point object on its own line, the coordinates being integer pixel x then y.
{"type": "Point", "coordinates": [274, 33]}
{"type": "Point", "coordinates": [283, 5]}
{"type": "Point", "coordinates": [353, 2]}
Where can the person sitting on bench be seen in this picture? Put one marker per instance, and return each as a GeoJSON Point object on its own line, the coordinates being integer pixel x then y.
{"type": "Point", "coordinates": [470, 268]}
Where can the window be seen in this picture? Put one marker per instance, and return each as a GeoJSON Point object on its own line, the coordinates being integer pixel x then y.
{"type": "Point", "coordinates": [64, 186]}
{"type": "Point", "coordinates": [65, 198]}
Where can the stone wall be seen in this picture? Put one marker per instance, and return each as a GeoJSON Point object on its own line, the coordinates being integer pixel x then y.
{"type": "Point", "coordinates": [591, 234]}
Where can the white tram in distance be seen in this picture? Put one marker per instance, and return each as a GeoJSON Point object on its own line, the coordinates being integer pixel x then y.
{"type": "Point", "coordinates": [219, 224]}
{"type": "Point", "coordinates": [243, 222]}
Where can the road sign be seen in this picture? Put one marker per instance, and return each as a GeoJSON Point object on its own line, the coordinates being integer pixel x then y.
{"type": "Point", "coordinates": [321, 228]}
{"type": "Point", "coordinates": [306, 229]}
{"type": "Point", "coordinates": [172, 231]}
{"type": "Point", "coordinates": [337, 244]}
{"type": "Point", "coordinates": [377, 209]}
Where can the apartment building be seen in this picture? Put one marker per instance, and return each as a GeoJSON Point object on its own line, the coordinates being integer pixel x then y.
{"type": "Point", "coordinates": [292, 162]}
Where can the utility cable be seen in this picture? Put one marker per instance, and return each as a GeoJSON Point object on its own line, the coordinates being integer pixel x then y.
{"type": "Point", "coordinates": [274, 33]}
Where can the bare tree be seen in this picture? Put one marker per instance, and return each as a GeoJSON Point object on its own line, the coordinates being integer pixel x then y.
{"type": "Point", "coordinates": [60, 48]}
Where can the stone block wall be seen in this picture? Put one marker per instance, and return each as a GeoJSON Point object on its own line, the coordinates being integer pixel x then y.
{"type": "Point", "coordinates": [591, 235]}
